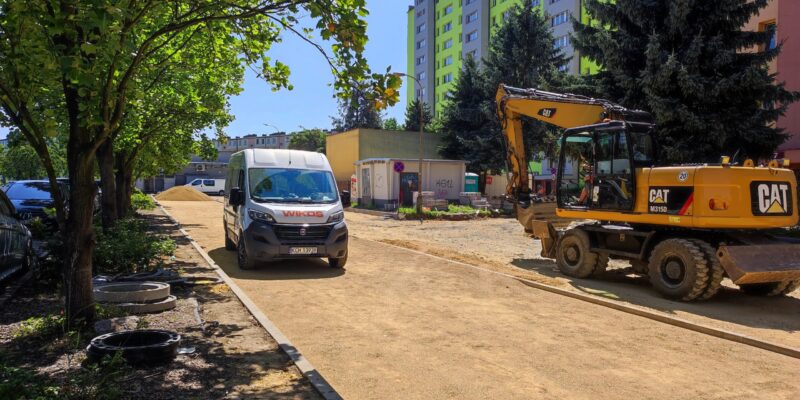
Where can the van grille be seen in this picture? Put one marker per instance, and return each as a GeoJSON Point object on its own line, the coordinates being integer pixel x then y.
{"type": "Point", "coordinates": [302, 234]}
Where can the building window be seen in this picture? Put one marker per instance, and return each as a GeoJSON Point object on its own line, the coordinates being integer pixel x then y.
{"type": "Point", "coordinates": [447, 27]}
{"type": "Point", "coordinates": [421, 44]}
{"type": "Point", "coordinates": [472, 17]}
{"type": "Point", "coordinates": [468, 2]}
{"type": "Point", "coordinates": [472, 36]}
{"type": "Point", "coordinates": [535, 3]}
{"type": "Point", "coordinates": [563, 68]}
{"type": "Point", "coordinates": [561, 42]}
{"type": "Point", "coordinates": [553, 1]}
{"type": "Point", "coordinates": [560, 18]}
{"type": "Point", "coordinates": [421, 76]}
{"type": "Point", "coordinates": [472, 54]}
{"type": "Point", "coordinates": [506, 15]}
{"type": "Point", "coordinates": [421, 28]}
{"type": "Point", "coordinates": [447, 78]}
{"type": "Point", "coordinates": [420, 60]}
{"type": "Point", "coordinates": [448, 60]}
{"type": "Point", "coordinates": [772, 29]}
{"type": "Point", "coordinates": [448, 43]}
{"type": "Point", "coordinates": [448, 10]}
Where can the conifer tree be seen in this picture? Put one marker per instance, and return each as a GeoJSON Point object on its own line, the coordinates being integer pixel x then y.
{"type": "Point", "coordinates": [412, 116]}
{"type": "Point", "coordinates": [691, 63]}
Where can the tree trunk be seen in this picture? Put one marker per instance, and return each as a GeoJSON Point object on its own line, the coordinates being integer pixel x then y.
{"type": "Point", "coordinates": [79, 238]}
{"type": "Point", "coordinates": [108, 198]}
{"type": "Point", "coordinates": [124, 182]}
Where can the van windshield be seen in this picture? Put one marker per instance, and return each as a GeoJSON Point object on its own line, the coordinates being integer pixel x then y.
{"type": "Point", "coordinates": [292, 185]}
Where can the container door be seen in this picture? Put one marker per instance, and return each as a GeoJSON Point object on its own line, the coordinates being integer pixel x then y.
{"type": "Point", "coordinates": [409, 183]}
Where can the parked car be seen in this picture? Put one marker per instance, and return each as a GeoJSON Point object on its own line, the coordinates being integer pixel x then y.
{"type": "Point", "coordinates": [32, 198]}
{"type": "Point", "coordinates": [283, 204]}
{"type": "Point", "coordinates": [210, 186]}
{"type": "Point", "coordinates": [16, 244]}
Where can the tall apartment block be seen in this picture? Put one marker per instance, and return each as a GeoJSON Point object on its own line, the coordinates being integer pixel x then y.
{"type": "Point", "coordinates": [441, 33]}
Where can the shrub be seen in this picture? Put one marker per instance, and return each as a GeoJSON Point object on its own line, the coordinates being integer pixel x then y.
{"type": "Point", "coordinates": [452, 210]}
{"type": "Point", "coordinates": [141, 201]}
{"type": "Point", "coordinates": [39, 328]}
{"type": "Point", "coordinates": [129, 248]}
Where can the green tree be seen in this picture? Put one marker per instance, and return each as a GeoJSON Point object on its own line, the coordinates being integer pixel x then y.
{"type": "Point", "coordinates": [72, 67]}
{"type": "Point", "coordinates": [391, 124]}
{"type": "Point", "coordinates": [20, 162]}
{"type": "Point", "coordinates": [705, 79]}
{"type": "Point", "coordinates": [521, 54]}
{"type": "Point", "coordinates": [359, 110]}
{"type": "Point", "coordinates": [412, 116]}
{"type": "Point", "coordinates": [469, 130]}
{"type": "Point", "coordinates": [308, 140]}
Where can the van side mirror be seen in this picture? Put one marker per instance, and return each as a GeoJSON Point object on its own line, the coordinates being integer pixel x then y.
{"type": "Point", "coordinates": [345, 196]}
{"type": "Point", "coordinates": [235, 198]}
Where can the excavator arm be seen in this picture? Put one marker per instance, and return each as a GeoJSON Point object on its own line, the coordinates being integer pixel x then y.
{"type": "Point", "coordinates": [560, 110]}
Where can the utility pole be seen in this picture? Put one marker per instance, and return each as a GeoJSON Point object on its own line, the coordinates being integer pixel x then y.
{"type": "Point", "coordinates": [421, 138]}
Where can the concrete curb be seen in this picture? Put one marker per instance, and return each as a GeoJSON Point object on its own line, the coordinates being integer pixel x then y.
{"type": "Point", "coordinates": [317, 380]}
{"type": "Point", "coordinates": [632, 309]}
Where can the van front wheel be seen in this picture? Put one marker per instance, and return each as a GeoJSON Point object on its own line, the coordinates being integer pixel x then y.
{"type": "Point", "coordinates": [337, 262]}
{"type": "Point", "coordinates": [245, 261]}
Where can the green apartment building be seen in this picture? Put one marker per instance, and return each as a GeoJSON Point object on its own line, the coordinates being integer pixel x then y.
{"type": "Point", "coordinates": [441, 33]}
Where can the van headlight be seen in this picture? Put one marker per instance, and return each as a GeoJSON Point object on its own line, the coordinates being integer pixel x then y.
{"type": "Point", "coordinates": [336, 217]}
{"type": "Point", "coordinates": [260, 216]}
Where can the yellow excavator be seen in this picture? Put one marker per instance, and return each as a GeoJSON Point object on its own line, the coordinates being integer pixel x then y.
{"type": "Point", "coordinates": [685, 226]}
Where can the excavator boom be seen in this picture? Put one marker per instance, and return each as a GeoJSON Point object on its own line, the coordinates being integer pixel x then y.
{"type": "Point", "coordinates": [557, 109]}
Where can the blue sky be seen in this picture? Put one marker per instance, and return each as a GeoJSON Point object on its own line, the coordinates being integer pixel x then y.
{"type": "Point", "coordinates": [311, 104]}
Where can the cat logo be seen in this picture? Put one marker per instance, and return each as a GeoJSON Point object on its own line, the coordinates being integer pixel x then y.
{"type": "Point", "coordinates": [771, 198]}
{"type": "Point", "coordinates": [547, 112]}
{"type": "Point", "coordinates": [659, 196]}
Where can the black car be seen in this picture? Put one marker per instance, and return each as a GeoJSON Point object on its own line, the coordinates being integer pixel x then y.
{"type": "Point", "coordinates": [32, 198]}
{"type": "Point", "coordinates": [16, 244]}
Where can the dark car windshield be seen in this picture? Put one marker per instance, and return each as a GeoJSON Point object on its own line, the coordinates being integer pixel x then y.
{"type": "Point", "coordinates": [292, 185]}
{"type": "Point", "coordinates": [29, 191]}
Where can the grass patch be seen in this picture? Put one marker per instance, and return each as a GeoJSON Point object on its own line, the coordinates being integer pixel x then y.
{"type": "Point", "coordinates": [452, 210]}
{"type": "Point", "coordinates": [93, 382]}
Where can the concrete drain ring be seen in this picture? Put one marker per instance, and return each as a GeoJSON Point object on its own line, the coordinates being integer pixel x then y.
{"type": "Point", "coordinates": [138, 347]}
{"type": "Point", "coordinates": [130, 292]}
{"type": "Point", "coordinates": [167, 303]}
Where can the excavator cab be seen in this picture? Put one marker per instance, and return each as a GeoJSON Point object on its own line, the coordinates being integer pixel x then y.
{"type": "Point", "coordinates": [597, 165]}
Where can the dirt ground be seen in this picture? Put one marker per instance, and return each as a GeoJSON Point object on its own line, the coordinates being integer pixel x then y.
{"type": "Point", "coordinates": [399, 324]}
{"type": "Point", "coordinates": [234, 357]}
{"type": "Point", "coordinates": [500, 244]}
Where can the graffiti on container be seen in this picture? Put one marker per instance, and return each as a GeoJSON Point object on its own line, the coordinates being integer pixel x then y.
{"type": "Point", "coordinates": [444, 184]}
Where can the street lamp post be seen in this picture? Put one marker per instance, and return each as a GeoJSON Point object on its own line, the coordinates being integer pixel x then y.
{"type": "Point", "coordinates": [421, 148]}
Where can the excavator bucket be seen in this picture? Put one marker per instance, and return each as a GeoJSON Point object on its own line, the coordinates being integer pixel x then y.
{"type": "Point", "coordinates": [760, 263]}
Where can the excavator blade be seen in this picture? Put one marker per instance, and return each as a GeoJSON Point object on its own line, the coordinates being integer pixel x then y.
{"type": "Point", "coordinates": [760, 263]}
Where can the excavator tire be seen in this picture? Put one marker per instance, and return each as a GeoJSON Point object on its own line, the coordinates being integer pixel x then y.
{"type": "Point", "coordinates": [715, 269]}
{"type": "Point", "coordinates": [770, 289]}
{"type": "Point", "coordinates": [574, 257]}
{"type": "Point", "coordinates": [679, 269]}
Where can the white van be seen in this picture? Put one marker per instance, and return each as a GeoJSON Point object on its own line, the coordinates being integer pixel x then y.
{"type": "Point", "coordinates": [283, 204]}
{"type": "Point", "coordinates": [209, 186]}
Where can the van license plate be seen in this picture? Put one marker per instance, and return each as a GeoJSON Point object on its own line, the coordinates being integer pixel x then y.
{"type": "Point", "coordinates": [302, 250]}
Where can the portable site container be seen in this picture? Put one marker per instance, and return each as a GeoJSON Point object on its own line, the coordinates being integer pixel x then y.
{"type": "Point", "coordinates": [388, 183]}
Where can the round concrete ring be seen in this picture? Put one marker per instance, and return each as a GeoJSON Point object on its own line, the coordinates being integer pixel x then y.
{"type": "Point", "coordinates": [131, 292]}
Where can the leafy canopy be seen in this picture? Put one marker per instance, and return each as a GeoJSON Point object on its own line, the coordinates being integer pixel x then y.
{"type": "Point", "coordinates": [704, 78]}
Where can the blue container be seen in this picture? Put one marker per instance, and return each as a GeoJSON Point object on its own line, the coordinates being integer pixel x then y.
{"type": "Point", "coordinates": [471, 182]}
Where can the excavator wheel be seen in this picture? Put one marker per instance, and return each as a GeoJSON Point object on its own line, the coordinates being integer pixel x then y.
{"type": "Point", "coordinates": [574, 257]}
{"type": "Point", "coordinates": [679, 269]}
{"type": "Point", "coordinates": [770, 289]}
{"type": "Point", "coordinates": [715, 269]}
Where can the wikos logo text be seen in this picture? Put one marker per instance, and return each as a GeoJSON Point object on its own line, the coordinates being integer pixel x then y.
{"type": "Point", "coordinates": [772, 198]}
{"type": "Point", "coordinates": [318, 214]}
